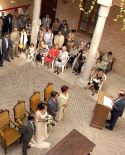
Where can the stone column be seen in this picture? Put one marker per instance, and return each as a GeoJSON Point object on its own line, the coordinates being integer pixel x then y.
{"type": "Point", "coordinates": [35, 21]}
{"type": "Point", "coordinates": [103, 14]}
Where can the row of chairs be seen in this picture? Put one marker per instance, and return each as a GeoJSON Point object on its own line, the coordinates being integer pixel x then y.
{"type": "Point", "coordinates": [9, 134]}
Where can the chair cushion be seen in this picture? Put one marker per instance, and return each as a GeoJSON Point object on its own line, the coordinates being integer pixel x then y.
{"type": "Point", "coordinates": [11, 135]}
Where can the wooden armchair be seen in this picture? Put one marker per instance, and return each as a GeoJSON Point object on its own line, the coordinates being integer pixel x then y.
{"type": "Point", "coordinates": [8, 134]}
{"type": "Point", "coordinates": [34, 101]}
{"type": "Point", "coordinates": [20, 112]}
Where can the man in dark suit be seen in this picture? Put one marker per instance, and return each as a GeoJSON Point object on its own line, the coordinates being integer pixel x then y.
{"type": "Point", "coordinates": [27, 131]}
{"type": "Point", "coordinates": [117, 111]}
{"type": "Point", "coordinates": [8, 24]}
{"type": "Point", "coordinates": [52, 104]}
{"type": "Point", "coordinates": [6, 45]}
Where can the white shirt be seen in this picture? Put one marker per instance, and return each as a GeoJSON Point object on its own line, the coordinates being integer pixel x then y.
{"type": "Point", "coordinates": [6, 40]}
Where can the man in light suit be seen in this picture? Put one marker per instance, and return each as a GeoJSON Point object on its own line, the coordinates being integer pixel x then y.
{"type": "Point", "coordinates": [59, 39]}
{"type": "Point", "coordinates": [118, 109]}
{"type": "Point", "coordinates": [27, 131]}
{"type": "Point", "coordinates": [46, 22]}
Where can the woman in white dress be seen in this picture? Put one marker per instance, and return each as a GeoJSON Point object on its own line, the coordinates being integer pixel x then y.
{"type": "Point", "coordinates": [41, 128]}
{"type": "Point", "coordinates": [62, 103]}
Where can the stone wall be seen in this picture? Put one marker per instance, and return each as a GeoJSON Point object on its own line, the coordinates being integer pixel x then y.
{"type": "Point", "coordinates": [69, 11]}
{"type": "Point", "coordinates": [113, 38]}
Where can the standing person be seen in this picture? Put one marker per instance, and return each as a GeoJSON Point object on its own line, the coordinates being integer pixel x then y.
{"type": "Point", "coordinates": [62, 102]}
{"type": "Point", "coordinates": [62, 24]}
{"type": "Point", "coordinates": [48, 90]}
{"type": "Point", "coordinates": [15, 17]}
{"type": "Point", "coordinates": [15, 38]}
{"type": "Point", "coordinates": [6, 45]}
{"type": "Point", "coordinates": [41, 128]}
{"type": "Point", "coordinates": [48, 37]}
{"type": "Point", "coordinates": [30, 53]}
{"type": "Point", "coordinates": [52, 104]}
{"type": "Point", "coordinates": [117, 111]}
{"type": "Point", "coordinates": [3, 17]}
{"type": "Point", "coordinates": [23, 39]}
{"type": "Point", "coordinates": [65, 31]}
{"type": "Point", "coordinates": [9, 22]}
{"type": "Point", "coordinates": [46, 22]}
{"type": "Point", "coordinates": [41, 33]}
{"type": "Point", "coordinates": [27, 131]}
{"type": "Point", "coordinates": [21, 22]}
{"type": "Point", "coordinates": [1, 24]}
{"type": "Point", "coordinates": [1, 52]}
{"type": "Point", "coordinates": [59, 39]}
{"type": "Point", "coordinates": [55, 26]}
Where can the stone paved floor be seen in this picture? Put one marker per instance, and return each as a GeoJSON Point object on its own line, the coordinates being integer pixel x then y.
{"type": "Point", "coordinates": [18, 83]}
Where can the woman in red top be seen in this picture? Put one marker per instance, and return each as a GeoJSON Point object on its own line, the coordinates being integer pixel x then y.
{"type": "Point", "coordinates": [53, 53]}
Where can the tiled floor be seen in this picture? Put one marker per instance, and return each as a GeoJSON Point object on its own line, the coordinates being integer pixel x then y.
{"type": "Point", "coordinates": [18, 80]}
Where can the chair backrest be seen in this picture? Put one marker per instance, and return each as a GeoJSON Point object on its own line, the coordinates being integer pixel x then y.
{"type": "Point", "coordinates": [4, 119]}
{"type": "Point", "coordinates": [19, 110]}
{"type": "Point", "coordinates": [34, 101]}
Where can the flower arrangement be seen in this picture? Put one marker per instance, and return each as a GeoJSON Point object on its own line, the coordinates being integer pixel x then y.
{"type": "Point", "coordinates": [49, 121]}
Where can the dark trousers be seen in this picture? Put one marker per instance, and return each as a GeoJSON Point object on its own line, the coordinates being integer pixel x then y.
{"type": "Point", "coordinates": [25, 147]}
{"type": "Point", "coordinates": [5, 55]}
{"type": "Point", "coordinates": [114, 117]}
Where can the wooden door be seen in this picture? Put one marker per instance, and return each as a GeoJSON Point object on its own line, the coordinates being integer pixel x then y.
{"type": "Point", "coordinates": [48, 7]}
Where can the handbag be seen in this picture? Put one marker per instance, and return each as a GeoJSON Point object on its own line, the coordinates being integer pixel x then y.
{"type": "Point", "coordinates": [59, 60]}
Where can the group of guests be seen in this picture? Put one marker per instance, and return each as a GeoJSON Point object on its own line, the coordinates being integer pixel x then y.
{"type": "Point", "coordinates": [35, 129]}
{"type": "Point", "coordinates": [15, 32]}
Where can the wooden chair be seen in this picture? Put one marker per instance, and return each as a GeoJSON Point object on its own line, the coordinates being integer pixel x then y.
{"type": "Point", "coordinates": [20, 112]}
{"type": "Point", "coordinates": [8, 134]}
{"type": "Point", "coordinates": [34, 101]}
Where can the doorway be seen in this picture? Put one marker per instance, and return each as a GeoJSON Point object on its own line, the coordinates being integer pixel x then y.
{"type": "Point", "coordinates": [48, 7]}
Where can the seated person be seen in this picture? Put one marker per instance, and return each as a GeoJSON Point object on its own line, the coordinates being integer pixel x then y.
{"type": "Point", "coordinates": [52, 104]}
{"type": "Point", "coordinates": [95, 67]}
{"type": "Point", "coordinates": [72, 55]}
{"type": "Point", "coordinates": [79, 62]}
{"type": "Point", "coordinates": [61, 60]}
{"type": "Point", "coordinates": [30, 53]}
{"type": "Point", "coordinates": [96, 82]}
{"type": "Point", "coordinates": [81, 45]}
{"type": "Point", "coordinates": [42, 51]}
{"type": "Point", "coordinates": [52, 55]}
{"type": "Point", "coordinates": [106, 61]}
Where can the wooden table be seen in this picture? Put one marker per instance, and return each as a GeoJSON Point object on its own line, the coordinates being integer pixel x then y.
{"type": "Point", "coordinates": [73, 144]}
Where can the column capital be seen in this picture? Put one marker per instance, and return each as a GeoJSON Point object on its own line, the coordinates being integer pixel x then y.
{"type": "Point", "coordinates": [107, 3]}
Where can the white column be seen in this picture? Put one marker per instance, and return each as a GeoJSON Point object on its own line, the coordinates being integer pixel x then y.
{"type": "Point", "coordinates": [35, 21]}
{"type": "Point", "coordinates": [103, 14]}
